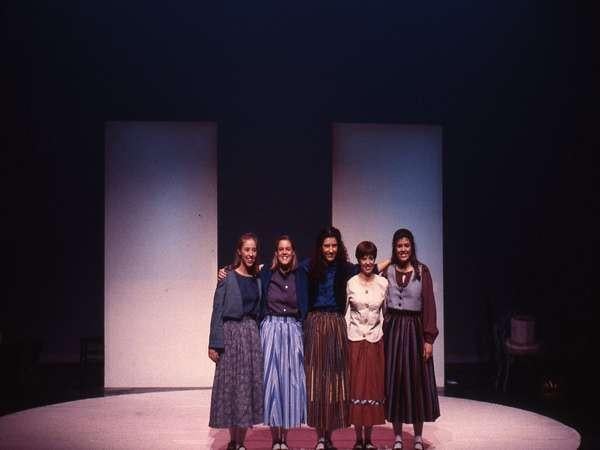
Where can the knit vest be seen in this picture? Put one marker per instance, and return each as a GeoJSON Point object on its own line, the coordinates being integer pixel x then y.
{"type": "Point", "coordinates": [408, 298]}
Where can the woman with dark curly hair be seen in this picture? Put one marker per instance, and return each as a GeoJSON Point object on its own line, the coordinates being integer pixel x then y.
{"type": "Point", "coordinates": [409, 332]}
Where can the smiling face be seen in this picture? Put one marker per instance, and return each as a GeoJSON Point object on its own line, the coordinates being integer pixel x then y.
{"type": "Point", "coordinates": [367, 264]}
{"type": "Point", "coordinates": [329, 249]}
{"type": "Point", "coordinates": [403, 250]}
{"type": "Point", "coordinates": [247, 253]}
{"type": "Point", "coordinates": [284, 253]}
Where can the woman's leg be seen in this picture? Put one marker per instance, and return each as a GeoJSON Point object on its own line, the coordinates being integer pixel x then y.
{"type": "Point", "coordinates": [418, 427]}
{"type": "Point", "coordinates": [240, 435]}
{"type": "Point", "coordinates": [232, 437]}
{"type": "Point", "coordinates": [398, 437]}
{"type": "Point", "coordinates": [276, 434]}
{"type": "Point", "coordinates": [368, 431]}
{"type": "Point", "coordinates": [328, 437]}
{"type": "Point", "coordinates": [283, 436]}
{"type": "Point", "coordinates": [320, 439]}
{"type": "Point", "coordinates": [358, 430]}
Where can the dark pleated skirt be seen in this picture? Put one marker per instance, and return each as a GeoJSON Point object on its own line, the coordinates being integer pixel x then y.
{"type": "Point", "coordinates": [367, 392]}
{"type": "Point", "coordinates": [325, 353]}
{"type": "Point", "coordinates": [411, 394]}
{"type": "Point", "coordinates": [237, 393]}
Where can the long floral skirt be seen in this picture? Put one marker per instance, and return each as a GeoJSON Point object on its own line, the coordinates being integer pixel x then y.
{"type": "Point", "coordinates": [237, 393]}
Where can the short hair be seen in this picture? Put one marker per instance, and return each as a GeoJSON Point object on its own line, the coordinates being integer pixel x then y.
{"type": "Point", "coordinates": [366, 248]}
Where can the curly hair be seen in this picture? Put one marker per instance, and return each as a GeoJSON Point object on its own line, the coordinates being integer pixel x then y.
{"type": "Point", "coordinates": [318, 265]}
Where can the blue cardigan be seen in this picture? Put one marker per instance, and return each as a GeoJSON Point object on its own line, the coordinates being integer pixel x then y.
{"type": "Point", "coordinates": [227, 304]}
{"type": "Point", "coordinates": [301, 290]}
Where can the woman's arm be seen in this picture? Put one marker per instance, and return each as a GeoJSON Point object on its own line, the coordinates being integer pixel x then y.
{"type": "Point", "coordinates": [304, 265]}
{"type": "Point", "coordinates": [213, 355]}
{"type": "Point", "coordinates": [216, 342]}
{"type": "Point", "coordinates": [382, 265]}
{"type": "Point", "coordinates": [347, 310]}
{"type": "Point", "coordinates": [379, 267]}
{"type": "Point", "coordinates": [386, 297]}
{"type": "Point", "coordinates": [223, 271]}
{"type": "Point", "coordinates": [430, 329]}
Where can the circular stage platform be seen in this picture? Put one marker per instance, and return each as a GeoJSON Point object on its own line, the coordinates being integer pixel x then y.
{"type": "Point", "coordinates": [178, 420]}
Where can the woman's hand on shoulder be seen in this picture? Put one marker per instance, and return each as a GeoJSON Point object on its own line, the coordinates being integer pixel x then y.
{"type": "Point", "coordinates": [222, 273]}
{"type": "Point", "coordinates": [213, 355]}
{"type": "Point", "coordinates": [382, 265]}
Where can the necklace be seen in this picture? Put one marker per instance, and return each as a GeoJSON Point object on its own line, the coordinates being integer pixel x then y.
{"type": "Point", "coordinates": [366, 283]}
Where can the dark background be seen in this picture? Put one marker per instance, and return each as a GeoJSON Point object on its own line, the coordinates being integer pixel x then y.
{"type": "Point", "coordinates": [511, 83]}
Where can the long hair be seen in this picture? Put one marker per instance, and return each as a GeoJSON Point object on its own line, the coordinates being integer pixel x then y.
{"type": "Point", "coordinates": [275, 262]}
{"type": "Point", "coordinates": [237, 260]}
{"type": "Point", "coordinates": [404, 233]}
{"type": "Point", "coordinates": [318, 265]}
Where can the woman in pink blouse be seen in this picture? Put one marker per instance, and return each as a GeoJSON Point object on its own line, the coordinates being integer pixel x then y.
{"type": "Point", "coordinates": [366, 294]}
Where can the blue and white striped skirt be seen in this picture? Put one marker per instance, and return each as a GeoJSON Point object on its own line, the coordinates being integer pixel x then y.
{"type": "Point", "coordinates": [285, 382]}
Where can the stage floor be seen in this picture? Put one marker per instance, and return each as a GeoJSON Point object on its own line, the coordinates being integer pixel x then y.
{"type": "Point", "coordinates": [178, 420]}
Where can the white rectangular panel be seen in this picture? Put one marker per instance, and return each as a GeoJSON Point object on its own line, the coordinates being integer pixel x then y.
{"type": "Point", "coordinates": [160, 253]}
{"type": "Point", "coordinates": [387, 177]}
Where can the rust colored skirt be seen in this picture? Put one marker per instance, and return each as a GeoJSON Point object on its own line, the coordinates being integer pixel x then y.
{"type": "Point", "coordinates": [325, 355]}
{"type": "Point", "coordinates": [411, 393]}
{"type": "Point", "coordinates": [367, 391]}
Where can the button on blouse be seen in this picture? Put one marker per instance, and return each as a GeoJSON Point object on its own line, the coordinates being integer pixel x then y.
{"type": "Point", "coordinates": [281, 294]}
{"type": "Point", "coordinates": [326, 295]}
{"type": "Point", "coordinates": [364, 311]}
